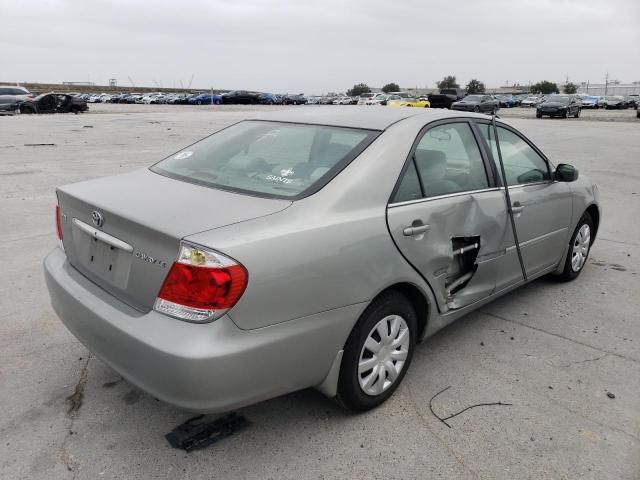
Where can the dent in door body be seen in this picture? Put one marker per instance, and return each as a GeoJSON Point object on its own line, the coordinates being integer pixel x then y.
{"type": "Point", "coordinates": [480, 214]}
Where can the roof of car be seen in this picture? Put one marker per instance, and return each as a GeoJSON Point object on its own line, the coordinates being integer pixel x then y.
{"type": "Point", "coordinates": [373, 118]}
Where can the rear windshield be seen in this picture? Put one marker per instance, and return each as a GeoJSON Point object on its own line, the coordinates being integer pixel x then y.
{"type": "Point", "coordinates": [271, 159]}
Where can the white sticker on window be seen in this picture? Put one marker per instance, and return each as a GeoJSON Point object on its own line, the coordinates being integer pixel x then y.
{"type": "Point", "coordinates": [183, 155]}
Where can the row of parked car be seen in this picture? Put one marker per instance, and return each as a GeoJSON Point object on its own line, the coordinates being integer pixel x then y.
{"type": "Point", "coordinates": [618, 102]}
{"type": "Point", "coordinates": [20, 100]}
{"type": "Point", "coordinates": [197, 98]}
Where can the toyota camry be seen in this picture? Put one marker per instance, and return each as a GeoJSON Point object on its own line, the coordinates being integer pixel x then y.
{"type": "Point", "coordinates": [309, 249]}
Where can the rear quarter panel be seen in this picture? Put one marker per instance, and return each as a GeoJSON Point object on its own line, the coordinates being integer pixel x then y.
{"type": "Point", "coordinates": [328, 250]}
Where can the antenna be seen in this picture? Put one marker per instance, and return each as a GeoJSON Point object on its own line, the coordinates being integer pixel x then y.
{"type": "Point", "coordinates": [154, 81]}
{"type": "Point", "coordinates": [132, 84]}
{"type": "Point", "coordinates": [191, 81]}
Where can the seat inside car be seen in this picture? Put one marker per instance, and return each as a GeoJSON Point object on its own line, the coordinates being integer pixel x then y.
{"type": "Point", "coordinates": [324, 159]}
{"type": "Point", "coordinates": [432, 165]}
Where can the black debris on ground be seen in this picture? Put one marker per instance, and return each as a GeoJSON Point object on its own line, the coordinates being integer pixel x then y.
{"type": "Point", "coordinates": [610, 395]}
{"type": "Point", "coordinates": [195, 434]}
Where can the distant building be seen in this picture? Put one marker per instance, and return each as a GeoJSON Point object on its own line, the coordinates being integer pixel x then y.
{"type": "Point", "coordinates": [610, 89]}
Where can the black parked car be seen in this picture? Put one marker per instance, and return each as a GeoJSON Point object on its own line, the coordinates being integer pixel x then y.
{"type": "Point", "coordinates": [616, 102]}
{"type": "Point", "coordinates": [241, 97]}
{"type": "Point", "coordinates": [294, 99]}
{"type": "Point", "coordinates": [559, 106]}
{"type": "Point", "coordinates": [53, 103]}
{"type": "Point", "coordinates": [10, 103]}
{"type": "Point", "coordinates": [477, 103]}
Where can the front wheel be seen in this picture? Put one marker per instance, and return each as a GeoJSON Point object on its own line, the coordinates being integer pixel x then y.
{"type": "Point", "coordinates": [378, 353]}
{"type": "Point", "coordinates": [579, 248]}
{"type": "Point", "coordinates": [578, 113]}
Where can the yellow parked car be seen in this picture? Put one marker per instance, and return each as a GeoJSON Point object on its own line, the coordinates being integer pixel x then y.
{"type": "Point", "coordinates": [420, 102]}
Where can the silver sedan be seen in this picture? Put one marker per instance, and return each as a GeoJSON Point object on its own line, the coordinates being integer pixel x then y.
{"type": "Point", "coordinates": [309, 249]}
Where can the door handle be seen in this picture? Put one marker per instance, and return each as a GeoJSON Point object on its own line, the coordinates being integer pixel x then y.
{"type": "Point", "coordinates": [517, 207]}
{"type": "Point", "coordinates": [417, 230]}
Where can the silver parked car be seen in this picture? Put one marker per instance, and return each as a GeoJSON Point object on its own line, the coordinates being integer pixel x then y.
{"type": "Point", "coordinates": [309, 249]}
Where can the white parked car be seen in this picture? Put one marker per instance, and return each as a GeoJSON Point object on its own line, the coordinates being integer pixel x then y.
{"type": "Point", "coordinates": [530, 101]}
{"type": "Point", "coordinates": [364, 97]}
{"type": "Point", "coordinates": [342, 101]}
{"type": "Point", "coordinates": [377, 99]}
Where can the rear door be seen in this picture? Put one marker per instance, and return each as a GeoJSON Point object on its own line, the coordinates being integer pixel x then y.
{"type": "Point", "coordinates": [542, 207]}
{"type": "Point", "coordinates": [448, 217]}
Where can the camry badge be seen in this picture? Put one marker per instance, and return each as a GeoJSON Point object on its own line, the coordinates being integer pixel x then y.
{"type": "Point", "coordinates": [97, 218]}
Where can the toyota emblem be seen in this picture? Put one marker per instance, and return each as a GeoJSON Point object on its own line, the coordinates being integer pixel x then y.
{"type": "Point", "coordinates": [97, 218]}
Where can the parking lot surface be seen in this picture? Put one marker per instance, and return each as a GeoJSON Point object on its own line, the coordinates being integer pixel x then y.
{"type": "Point", "coordinates": [557, 353]}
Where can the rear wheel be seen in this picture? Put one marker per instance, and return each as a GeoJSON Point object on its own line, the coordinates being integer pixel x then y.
{"type": "Point", "coordinates": [378, 353]}
{"type": "Point", "coordinates": [579, 248]}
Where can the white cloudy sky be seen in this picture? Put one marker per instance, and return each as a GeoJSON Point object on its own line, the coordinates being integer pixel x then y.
{"type": "Point", "coordinates": [318, 46]}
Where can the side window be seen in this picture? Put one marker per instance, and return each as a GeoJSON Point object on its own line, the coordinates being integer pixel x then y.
{"type": "Point", "coordinates": [522, 164]}
{"type": "Point", "coordinates": [448, 160]}
{"type": "Point", "coordinates": [409, 188]}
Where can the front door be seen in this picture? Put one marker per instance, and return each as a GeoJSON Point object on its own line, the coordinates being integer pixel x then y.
{"type": "Point", "coordinates": [448, 218]}
{"type": "Point", "coordinates": [542, 207]}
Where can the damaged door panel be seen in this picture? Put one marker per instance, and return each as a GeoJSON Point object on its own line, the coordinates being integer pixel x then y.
{"type": "Point", "coordinates": [464, 247]}
{"type": "Point", "coordinates": [449, 219]}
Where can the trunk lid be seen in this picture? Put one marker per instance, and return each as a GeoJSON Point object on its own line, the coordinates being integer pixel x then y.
{"type": "Point", "coordinates": [124, 232]}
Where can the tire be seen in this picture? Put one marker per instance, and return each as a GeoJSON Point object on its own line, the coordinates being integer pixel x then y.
{"type": "Point", "coordinates": [476, 109]}
{"type": "Point", "coordinates": [538, 115]}
{"type": "Point", "coordinates": [578, 113]}
{"type": "Point", "coordinates": [389, 310]}
{"type": "Point", "coordinates": [573, 265]}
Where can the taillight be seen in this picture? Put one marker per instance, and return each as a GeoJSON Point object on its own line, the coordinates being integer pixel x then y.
{"type": "Point", "coordinates": [201, 285]}
{"type": "Point", "coordinates": [58, 224]}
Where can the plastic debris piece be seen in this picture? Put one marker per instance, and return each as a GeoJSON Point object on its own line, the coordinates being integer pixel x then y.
{"type": "Point", "coordinates": [192, 435]}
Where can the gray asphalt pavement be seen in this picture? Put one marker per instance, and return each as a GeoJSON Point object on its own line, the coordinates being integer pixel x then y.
{"type": "Point", "coordinates": [552, 351]}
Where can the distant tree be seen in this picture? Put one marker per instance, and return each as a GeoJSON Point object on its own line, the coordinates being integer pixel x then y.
{"type": "Point", "coordinates": [448, 82]}
{"type": "Point", "coordinates": [475, 86]}
{"type": "Point", "coordinates": [391, 87]}
{"type": "Point", "coordinates": [570, 88]}
{"type": "Point", "coordinates": [358, 89]}
{"type": "Point", "coordinates": [544, 87]}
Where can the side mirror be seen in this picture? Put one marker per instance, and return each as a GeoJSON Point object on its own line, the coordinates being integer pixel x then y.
{"type": "Point", "coordinates": [566, 173]}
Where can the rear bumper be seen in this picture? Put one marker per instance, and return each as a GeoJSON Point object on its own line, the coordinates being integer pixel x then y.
{"type": "Point", "coordinates": [207, 368]}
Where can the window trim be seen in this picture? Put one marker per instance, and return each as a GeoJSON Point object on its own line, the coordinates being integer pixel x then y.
{"type": "Point", "coordinates": [411, 159]}
{"type": "Point", "coordinates": [550, 166]}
